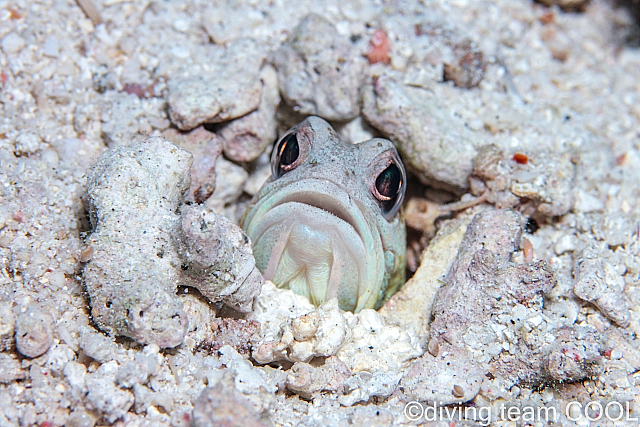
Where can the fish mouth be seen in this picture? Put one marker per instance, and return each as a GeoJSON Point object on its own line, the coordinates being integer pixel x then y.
{"type": "Point", "coordinates": [312, 237]}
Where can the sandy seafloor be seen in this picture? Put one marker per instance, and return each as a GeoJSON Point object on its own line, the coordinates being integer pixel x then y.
{"type": "Point", "coordinates": [554, 85]}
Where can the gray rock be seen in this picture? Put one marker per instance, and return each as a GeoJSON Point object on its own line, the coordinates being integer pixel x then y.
{"type": "Point", "coordinates": [307, 380]}
{"type": "Point", "coordinates": [319, 72]}
{"type": "Point", "coordinates": [103, 396]}
{"type": "Point", "coordinates": [598, 282]}
{"type": "Point", "coordinates": [483, 284]}
{"type": "Point", "coordinates": [133, 194]}
{"type": "Point", "coordinates": [142, 249]}
{"type": "Point", "coordinates": [483, 276]}
{"type": "Point", "coordinates": [450, 378]}
{"type": "Point", "coordinates": [576, 354]}
{"type": "Point", "coordinates": [230, 89]}
{"type": "Point", "coordinates": [10, 369]}
{"type": "Point", "coordinates": [219, 258]}
{"type": "Point", "coordinates": [433, 143]}
{"type": "Point", "coordinates": [205, 147]}
{"type": "Point", "coordinates": [226, 407]}
{"type": "Point", "coordinates": [247, 137]}
{"type": "Point", "coordinates": [34, 335]}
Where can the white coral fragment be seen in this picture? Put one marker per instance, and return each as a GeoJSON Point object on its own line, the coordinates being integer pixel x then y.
{"type": "Point", "coordinates": [293, 330]}
{"type": "Point", "coordinates": [598, 282]}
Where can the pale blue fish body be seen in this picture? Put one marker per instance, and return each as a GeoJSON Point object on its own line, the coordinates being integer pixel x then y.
{"type": "Point", "coordinates": [328, 224]}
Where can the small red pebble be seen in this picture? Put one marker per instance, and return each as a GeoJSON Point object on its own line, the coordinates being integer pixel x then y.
{"type": "Point", "coordinates": [379, 48]}
{"type": "Point", "coordinates": [19, 216]}
{"type": "Point", "coordinates": [138, 90]}
{"type": "Point", "coordinates": [621, 159]}
{"type": "Point", "coordinates": [520, 158]}
{"type": "Point", "coordinates": [3, 78]}
{"type": "Point", "coordinates": [46, 424]}
{"type": "Point", "coordinates": [14, 14]}
{"type": "Point", "coordinates": [547, 18]}
{"type": "Point", "coordinates": [607, 353]}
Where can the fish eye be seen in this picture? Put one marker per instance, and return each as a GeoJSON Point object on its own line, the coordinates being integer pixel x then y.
{"type": "Point", "coordinates": [389, 189]}
{"type": "Point", "coordinates": [388, 182]}
{"type": "Point", "coordinates": [285, 155]}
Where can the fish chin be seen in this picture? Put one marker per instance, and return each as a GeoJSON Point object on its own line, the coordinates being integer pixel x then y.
{"type": "Point", "coordinates": [318, 247]}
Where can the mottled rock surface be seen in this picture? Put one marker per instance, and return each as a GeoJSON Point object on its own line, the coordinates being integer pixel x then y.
{"type": "Point", "coordinates": [536, 183]}
{"type": "Point", "coordinates": [137, 299]}
{"type": "Point", "coordinates": [318, 71]}
{"type": "Point", "coordinates": [136, 266]}
{"type": "Point", "coordinates": [598, 281]}
{"type": "Point", "coordinates": [229, 89]}
{"type": "Point", "coordinates": [575, 354]}
{"type": "Point", "coordinates": [307, 380]}
{"type": "Point", "coordinates": [559, 88]}
{"type": "Point", "coordinates": [435, 146]}
{"type": "Point", "coordinates": [246, 138]}
{"type": "Point", "coordinates": [483, 284]}
{"type": "Point", "coordinates": [205, 147]}
{"type": "Point", "coordinates": [217, 259]}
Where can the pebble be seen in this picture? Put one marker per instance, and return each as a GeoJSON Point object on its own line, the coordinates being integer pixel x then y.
{"type": "Point", "coordinates": [50, 157]}
{"type": "Point", "coordinates": [51, 47]}
{"type": "Point", "coordinates": [585, 202]}
{"type": "Point", "coordinates": [181, 25]}
{"type": "Point", "coordinates": [565, 244]}
{"type": "Point", "coordinates": [12, 44]}
{"type": "Point", "coordinates": [230, 88]}
{"type": "Point", "coordinates": [180, 52]}
{"type": "Point", "coordinates": [33, 333]}
{"type": "Point", "coordinates": [319, 72]}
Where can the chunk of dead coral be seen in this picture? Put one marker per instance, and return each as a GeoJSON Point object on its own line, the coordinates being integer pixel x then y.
{"type": "Point", "coordinates": [142, 248]}
{"type": "Point", "coordinates": [217, 258]}
{"type": "Point", "coordinates": [484, 284]}
{"type": "Point", "coordinates": [436, 147]}
{"type": "Point", "coordinates": [205, 147]}
{"type": "Point", "coordinates": [576, 354]}
{"type": "Point", "coordinates": [319, 71]}
{"type": "Point", "coordinates": [229, 89]}
{"type": "Point", "coordinates": [598, 282]}
{"type": "Point", "coordinates": [535, 182]}
{"type": "Point", "coordinates": [247, 137]}
{"type": "Point", "coordinates": [133, 194]}
{"type": "Point", "coordinates": [308, 380]}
